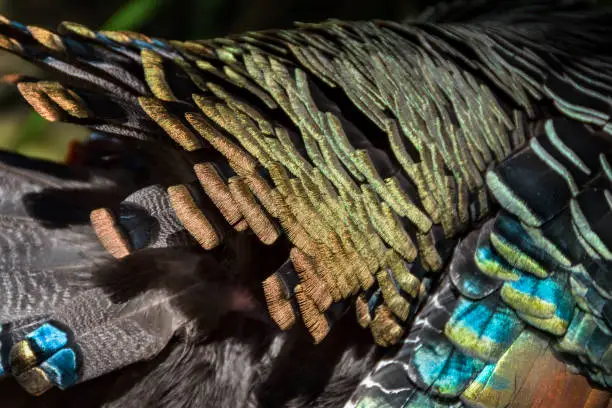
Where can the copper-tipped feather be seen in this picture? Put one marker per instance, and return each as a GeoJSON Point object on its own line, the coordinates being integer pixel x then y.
{"type": "Point", "coordinates": [277, 300]}
{"type": "Point", "coordinates": [262, 191]}
{"type": "Point", "coordinates": [363, 275]}
{"type": "Point", "coordinates": [293, 229]}
{"type": "Point", "coordinates": [385, 329]}
{"type": "Point", "coordinates": [314, 320]}
{"type": "Point", "coordinates": [259, 222]}
{"type": "Point", "coordinates": [47, 38]}
{"type": "Point", "coordinates": [315, 288]}
{"type": "Point", "coordinates": [39, 101]}
{"type": "Point", "coordinates": [152, 64]}
{"type": "Point", "coordinates": [192, 217]}
{"type": "Point", "coordinates": [124, 37]}
{"type": "Point", "coordinates": [66, 99]}
{"type": "Point", "coordinates": [46, 96]}
{"type": "Point", "coordinates": [218, 192]}
{"type": "Point", "coordinates": [232, 152]}
{"type": "Point", "coordinates": [241, 225]}
{"type": "Point", "coordinates": [429, 254]}
{"type": "Point", "coordinates": [76, 28]}
{"type": "Point", "coordinates": [393, 298]}
{"type": "Point", "coordinates": [109, 234]}
{"type": "Point", "coordinates": [332, 271]}
{"type": "Point", "coordinates": [402, 275]}
{"type": "Point", "coordinates": [10, 44]}
{"type": "Point", "coordinates": [176, 129]}
{"type": "Point", "coordinates": [362, 312]}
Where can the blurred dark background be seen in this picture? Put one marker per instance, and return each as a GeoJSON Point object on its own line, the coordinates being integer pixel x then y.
{"type": "Point", "coordinates": [203, 18]}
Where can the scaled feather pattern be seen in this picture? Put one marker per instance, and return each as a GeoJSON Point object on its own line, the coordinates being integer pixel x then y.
{"type": "Point", "coordinates": [376, 214]}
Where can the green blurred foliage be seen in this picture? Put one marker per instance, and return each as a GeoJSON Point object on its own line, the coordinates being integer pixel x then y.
{"type": "Point", "coordinates": [132, 15]}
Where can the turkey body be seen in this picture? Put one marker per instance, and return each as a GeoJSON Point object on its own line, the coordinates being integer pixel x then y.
{"type": "Point", "coordinates": [257, 220]}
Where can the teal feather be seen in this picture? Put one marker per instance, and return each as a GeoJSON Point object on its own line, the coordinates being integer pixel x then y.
{"type": "Point", "coordinates": [443, 369]}
{"type": "Point", "coordinates": [483, 329]}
